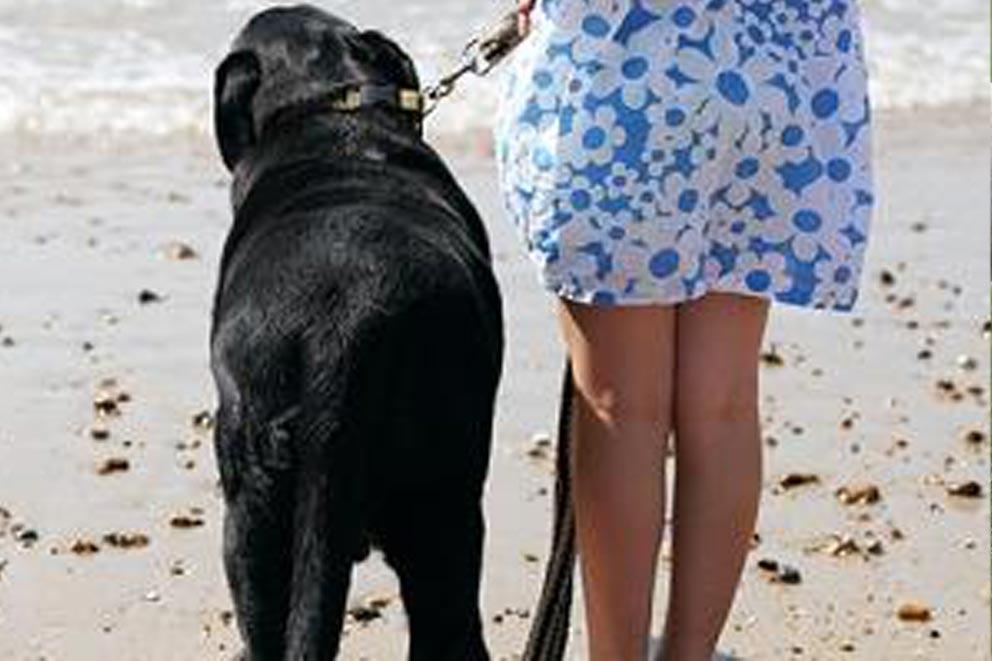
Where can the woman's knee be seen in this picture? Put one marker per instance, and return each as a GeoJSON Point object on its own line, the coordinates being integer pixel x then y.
{"type": "Point", "coordinates": [619, 407]}
{"type": "Point", "coordinates": [717, 405]}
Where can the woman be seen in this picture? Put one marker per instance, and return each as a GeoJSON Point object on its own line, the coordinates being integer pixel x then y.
{"type": "Point", "coordinates": [674, 168]}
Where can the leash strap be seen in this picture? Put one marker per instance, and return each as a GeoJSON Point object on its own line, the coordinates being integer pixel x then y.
{"type": "Point", "coordinates": [548, 638]}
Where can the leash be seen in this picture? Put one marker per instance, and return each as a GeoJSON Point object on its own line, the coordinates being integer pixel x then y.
{"type": "Point", "coordinates": [549, 631]}
{"type": "Point", "coordinates": [479, 57]}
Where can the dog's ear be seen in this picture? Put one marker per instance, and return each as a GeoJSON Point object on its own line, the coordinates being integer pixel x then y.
{"type": "Point", "coordinates": [387, 53]}
{"type": "Point", "coordinates": [236, 81]}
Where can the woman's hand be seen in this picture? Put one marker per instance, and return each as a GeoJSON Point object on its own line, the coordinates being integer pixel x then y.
{"type": "Point", "coordinates": [524, 8]}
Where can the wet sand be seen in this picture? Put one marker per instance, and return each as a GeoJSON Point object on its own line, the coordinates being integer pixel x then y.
{"type": "Point", "coordinates": [894, 397]}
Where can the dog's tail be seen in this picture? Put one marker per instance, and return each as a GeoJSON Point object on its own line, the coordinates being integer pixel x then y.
{"type": "Point", "coordinates": [550, 628]}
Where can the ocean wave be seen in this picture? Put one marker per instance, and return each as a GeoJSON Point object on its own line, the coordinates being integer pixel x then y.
{"type": "Point", "coordinates": [66, 79]}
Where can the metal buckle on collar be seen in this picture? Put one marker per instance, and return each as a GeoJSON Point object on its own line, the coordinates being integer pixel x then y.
{"type": "Point", "coordinates": [355, 97]}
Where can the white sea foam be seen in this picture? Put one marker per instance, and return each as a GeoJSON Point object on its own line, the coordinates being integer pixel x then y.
{"type": "Point", "coordinates": [76, 66]}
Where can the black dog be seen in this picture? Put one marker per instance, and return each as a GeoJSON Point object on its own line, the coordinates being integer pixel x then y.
{"type": "Point", "coordinates": [357, 344]}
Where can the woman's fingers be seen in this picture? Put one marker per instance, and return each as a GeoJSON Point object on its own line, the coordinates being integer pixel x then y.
{"type": "Point", "coordinates": [524, 9]}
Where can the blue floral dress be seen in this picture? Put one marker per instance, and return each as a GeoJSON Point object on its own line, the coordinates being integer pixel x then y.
{"type": "Point", "coordinates": [651, 151]}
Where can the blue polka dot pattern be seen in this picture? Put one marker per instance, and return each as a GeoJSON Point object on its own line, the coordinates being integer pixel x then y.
{"type": "Point", "coordinates": [652, 151]}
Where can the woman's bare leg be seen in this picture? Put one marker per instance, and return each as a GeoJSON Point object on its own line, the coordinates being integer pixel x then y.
{"type": "Point", "coordinates": [623, 366]}
{"type": "Point", "coordinates": [718, 466]}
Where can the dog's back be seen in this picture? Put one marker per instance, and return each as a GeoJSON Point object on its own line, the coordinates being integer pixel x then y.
{"type": "Point", "coordinates": [356, 347]}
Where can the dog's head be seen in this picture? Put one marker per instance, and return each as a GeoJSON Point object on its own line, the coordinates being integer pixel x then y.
{"type": "Point", "coordinates": [287, 57]}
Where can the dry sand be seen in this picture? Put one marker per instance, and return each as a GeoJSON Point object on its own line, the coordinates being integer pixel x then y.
{"type": "Point", "coordinates": [83, 228]}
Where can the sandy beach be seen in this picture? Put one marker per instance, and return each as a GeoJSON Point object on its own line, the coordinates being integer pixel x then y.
{"type": "Point", "coordinates": [110, 524]}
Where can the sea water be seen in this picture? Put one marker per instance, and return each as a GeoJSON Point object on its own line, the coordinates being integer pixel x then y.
{"type": "Point", "coordinates": [108, 66]}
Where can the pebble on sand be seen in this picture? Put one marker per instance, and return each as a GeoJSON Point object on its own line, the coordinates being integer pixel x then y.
{"type": "Point", "coordinates": [792, 480]}
{"type": "Point", "coordinates": [98, 432]}
{"type": "Point", "coordinates": [913, 611]}
{"type": "Point", "coordinates": [122, 540]}
{"type": "Point", "coordinates": [113, 465]}
{"type": "Point", "coordinates": [970, 489]}
{"type": "Point", "coordinates": [178, 251]}
{"type": "Point", "coordinates": [772, 358]}
{"type": "Point", "coordinates": [975, 436]}
{"type": "Point", "coordinates": [780, 572]}
{"type": "Point", "coordinates": [186, 521]}
{"type": "Point", "coordinates": [84, 547]}
{"type": "Point", "coordinates": [865, 494]}
{"type": "Point", "coordinates": [147, 297]}
{"type": "Point", "coordinates": [203, 421]}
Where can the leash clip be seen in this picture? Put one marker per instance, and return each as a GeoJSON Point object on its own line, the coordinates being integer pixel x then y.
{"type": "Point", "coordinates": [480, 56]}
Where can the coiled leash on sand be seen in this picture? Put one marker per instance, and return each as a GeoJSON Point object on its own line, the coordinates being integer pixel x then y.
{"type": "Point", "coordinates": [550, 628]}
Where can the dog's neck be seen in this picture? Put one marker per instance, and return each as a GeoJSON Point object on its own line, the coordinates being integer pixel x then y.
{"type": "Point", "coordinates": [359, 138]}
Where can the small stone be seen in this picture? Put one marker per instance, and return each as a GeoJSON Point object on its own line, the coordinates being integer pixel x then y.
{"type": "Point", "coordinates": [914, 612]}
{"type": "Point", "coordinates": [788, 575]}
{"type": "Point", "coordinates": [768, 564]}
{"type": "Point", "coordinates": [975, 437]}
{"type": "Point", "coordinates": [876, 547]}
{"type": "Point", "coordinates": [114, 465]}
{"type": "Point", "coordinates": [28, 537]}
{"type": "Point", "coordinates": [792, 480]}
{"type": "Point", "coordinates": [99, 433]}
{"type": "Point", "coordinates": [84, 547]}
{"type": "Point", "coordinates": [865, 494]}
{"type": "Point", "coordinates": [946, 386]}
{"type": "Point", "coordinates": [970, 489]}
{"type": "Point", "coordinates": [147, 297]}
{"type": "Point", "coordinates": [365, 614]}
{"type": "Point", "coordinates": [185, 522]}
{"type": "Point", "coordinates": [772, 358]}
{"type": "Point", "coordinates": [906, 302]}
{"type": "Point", "coordinates": [967, 363]}
{"type": "Point", "coordinates": [924, 354]}
{"type": "Point", "coordinates": [844, 546]}
{"type": "Point", "coordinates": [178, 251]}
{"type": "Point", "coordinates": [153, 596]}
{"type": "Point", "coordinates": [203, 421]}
{"type": "Point", "coordinates": [126, 541]}
{"type": "Point", "coordinates": [887, 278]}
{"type": "Point", "coordinates": [106, 406]}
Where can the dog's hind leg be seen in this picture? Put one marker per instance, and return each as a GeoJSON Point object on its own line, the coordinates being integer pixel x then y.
{"type": "Point", "coordinates": [434, 543]}
{"type": "Point", "coordinates": [328, 520]}
{"type": "Point", "coordinates": [325, 550]}
{"type": "Point", "coordinates": [257, 531]}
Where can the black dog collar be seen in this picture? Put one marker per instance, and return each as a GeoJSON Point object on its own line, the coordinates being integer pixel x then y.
{"type": "Point", "coordinates": [352, 97]}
